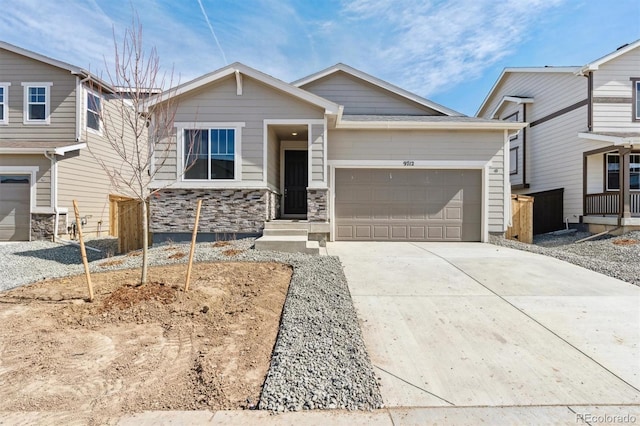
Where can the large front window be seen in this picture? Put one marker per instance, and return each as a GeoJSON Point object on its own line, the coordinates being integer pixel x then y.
{"type": "Point", "coordinates": [613, 172]}
{"type": "Point", "coordinates": [210, 154]}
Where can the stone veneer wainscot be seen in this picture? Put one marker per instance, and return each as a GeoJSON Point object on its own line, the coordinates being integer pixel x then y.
{"type": "Point", "coordinates": [317, 205]}
{"type": "Point", "coordinates": [223, 210]}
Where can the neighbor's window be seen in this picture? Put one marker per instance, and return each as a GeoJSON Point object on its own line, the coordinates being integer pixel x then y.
{"type": "Point", "coordinates": [210, 154]}
{"type": "Point", "coordinates": [36, 103]}
{"type": "Point", "coordinates": [513, 161]}
{"type": "Point", "coordinates": [93, 111]}
{"type": "Point", "coordinates": [613, 171]}
{"type": "Point", "coordinates": [4, 110]}
{"type": "Point", "coordinates": [636, 99]}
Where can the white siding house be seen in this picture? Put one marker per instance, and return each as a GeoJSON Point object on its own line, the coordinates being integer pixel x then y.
{"type": "Point", "coordinates": [583, 132]}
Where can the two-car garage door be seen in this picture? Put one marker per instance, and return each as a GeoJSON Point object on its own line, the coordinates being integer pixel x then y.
{"type": "Point", "coordinates": [408, 205]}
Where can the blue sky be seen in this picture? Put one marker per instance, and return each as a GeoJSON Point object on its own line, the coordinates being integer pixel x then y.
{"type": "Point", "coordinates": [448, 51]}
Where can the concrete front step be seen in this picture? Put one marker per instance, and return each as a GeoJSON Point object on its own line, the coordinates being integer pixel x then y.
{"type": "Point", "coordinates": [286, 224]}
{"type": "Point", "coordinates": [285, 232]}
{"type": "Point", "coordinates": [287, 243]}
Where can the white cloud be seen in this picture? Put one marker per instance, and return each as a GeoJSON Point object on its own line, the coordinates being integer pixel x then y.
{"type": "Point", "coordinates": [430, 46]}
{"type": "Point", "coordinates": [425, 46]}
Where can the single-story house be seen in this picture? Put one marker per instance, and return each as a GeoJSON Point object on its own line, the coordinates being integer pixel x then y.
{"type": "Point", "coordinates": [340, 153]}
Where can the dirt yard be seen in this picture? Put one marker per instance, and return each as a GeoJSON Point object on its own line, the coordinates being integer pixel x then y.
{"type": "Point", "coordinates": [153, 347]}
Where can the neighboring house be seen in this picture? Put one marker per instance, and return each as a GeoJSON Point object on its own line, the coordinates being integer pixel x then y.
{"type": "Point", "coordinates": [49, 119]}
{"type": "Point", "coordinates": [580, 154]}
{"type": "Point", "coordinates": [348, 156]}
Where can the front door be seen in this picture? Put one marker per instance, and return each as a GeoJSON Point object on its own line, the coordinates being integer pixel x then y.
{"type": "Point", "coordinates": [295, 182]}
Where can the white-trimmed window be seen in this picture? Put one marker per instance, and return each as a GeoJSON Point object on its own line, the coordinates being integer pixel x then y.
{"type": "Point", "coordinates": [37, 102]}
{"type": "Point", "coordinates": [613, 172]}
{"type": "Point", "coordinates": [94, 110]}
{"type": "Point", "coordinates": [513, 161]}
{"type": "Point", "coordinates": [636, 98]}
{"type": "Point", "coordinates": [211, 153]}
{"type": "Point", "coordinates": [4, 103]}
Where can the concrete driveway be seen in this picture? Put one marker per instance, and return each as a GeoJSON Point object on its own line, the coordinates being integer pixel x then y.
{"type": "Point", "coordinates": [470, 324]}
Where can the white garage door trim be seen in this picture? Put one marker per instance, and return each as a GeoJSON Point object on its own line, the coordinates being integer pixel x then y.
{"type": "Point", "coordinates": [412, 165]}
{"type": "Point", "coordinates": [31, 171]}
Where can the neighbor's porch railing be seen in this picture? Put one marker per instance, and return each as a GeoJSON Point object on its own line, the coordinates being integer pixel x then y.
{"type": "Point", "coordinates": [608, 203]}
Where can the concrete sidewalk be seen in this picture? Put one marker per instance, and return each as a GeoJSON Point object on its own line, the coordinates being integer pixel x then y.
{"type": "Point", "coordinates": [471, 416]}
{"type": "Point", "coordinates": [455, 324]}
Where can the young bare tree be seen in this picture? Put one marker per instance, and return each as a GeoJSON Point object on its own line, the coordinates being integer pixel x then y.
{"type": "Point", "coordinates": [137, 133]}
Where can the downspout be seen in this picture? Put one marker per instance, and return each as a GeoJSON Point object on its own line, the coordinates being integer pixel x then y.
{"type": "Point", "coordinates": [54, 193]}
{"type": "Point", "coordinates": [590, 102]}
{"type": "Point", "coordinates": [524, 146]}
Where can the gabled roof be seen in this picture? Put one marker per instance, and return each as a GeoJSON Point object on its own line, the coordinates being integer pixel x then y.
{"type": "Point", "coordinates": [512, 70]}
{"type": "Point", "coordinates": [238, 68]}
{"type": "Point", "coordinates": [376, 82]}
{"type": "Point", "coordinates": [56, 63]}
{"type": "Point", "coordinates": [619, 52]}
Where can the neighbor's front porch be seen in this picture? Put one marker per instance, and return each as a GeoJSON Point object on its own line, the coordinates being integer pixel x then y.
{"type": "Point", "coordinates": [611, 186]}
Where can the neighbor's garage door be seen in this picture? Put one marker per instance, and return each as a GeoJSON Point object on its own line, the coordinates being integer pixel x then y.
{"type": "Point", "coordinates": [418, 205]}
{"type": "Point", "coordinates": [14, 208]}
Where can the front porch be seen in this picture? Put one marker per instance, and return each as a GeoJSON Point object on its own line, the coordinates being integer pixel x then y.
{"type": "Point", "coordinates": [611, 186]}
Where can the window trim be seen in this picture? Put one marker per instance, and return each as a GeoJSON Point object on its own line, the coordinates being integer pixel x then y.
{"type": "Point", "coordinates": [90, 92]}
{"type": "Point", "coordinates": [47, 102]}
{"type": "Point", "coordinates": [237, 157]}
{"type": "Point", "coordinates": [635, 91]}
{"type": "Point", "coordinates": [4, 120]}
{"type": "Point", "coordinates": [606, 171]}
{"type": "Point", "coordinates": [511, 169]}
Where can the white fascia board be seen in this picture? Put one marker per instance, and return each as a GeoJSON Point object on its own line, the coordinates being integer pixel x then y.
{"type": "Point", "coordinates": [57, 151]}
{"type": "Point", "coordinates": [54, 62]}
{"type": "Point", "coordinates": [376, 82]}
{"type": "Point", "coordinates": [411, 125]}
{"type": "Point", "coordinates": [41, 58]}
{"type": "Point", "coordinates": [592, 66]}
{"type": "Point", "coordinates": [64, 149]}
{"type": "Point", "coordinates": [329, 107]}
{"type": "Point", "coordinates": [615, 140]}
{"type": "Point", "coordinates": [513, 99]}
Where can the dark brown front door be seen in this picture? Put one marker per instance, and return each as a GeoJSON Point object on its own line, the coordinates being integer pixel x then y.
{"type": "Point", "coordinates": [295, 182]}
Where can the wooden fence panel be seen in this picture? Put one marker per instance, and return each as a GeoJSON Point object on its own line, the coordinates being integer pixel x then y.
{"type": "Point", "coordinates": [114, 200]}
{"type": "Point", "coordinates": [521, 228]}
{"type": "Point", "coordinates": [129, 225]}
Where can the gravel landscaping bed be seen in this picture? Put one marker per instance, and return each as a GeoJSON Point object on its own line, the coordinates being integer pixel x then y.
{"type": "Point", "coordinates": [617, 257]}
{"type": "Point", "coordinates": [319, 360]}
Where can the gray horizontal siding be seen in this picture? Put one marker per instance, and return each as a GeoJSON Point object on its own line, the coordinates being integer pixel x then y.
{"type": "Point", "coordinates": [17, 69]}
{"type": "Point", "coordinates": [317, 153]}
{"type": "Point", "coordinates": [360, 97]}
{"type": "Point", "coordinates": [218, 102]}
